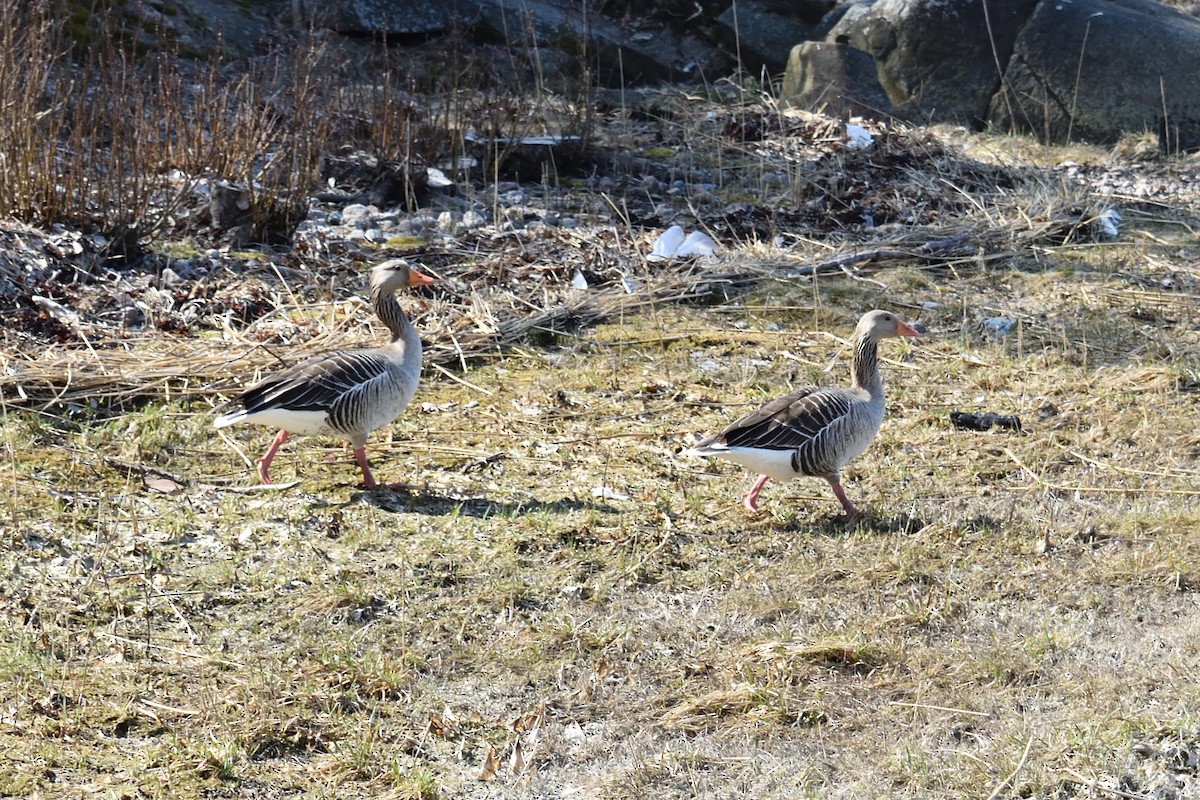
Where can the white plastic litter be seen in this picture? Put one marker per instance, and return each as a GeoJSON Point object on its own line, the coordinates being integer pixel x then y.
{"type": "Point", "coordinates": [858, 137]}
{"type": "Point", "coordinates": [1108, 221]}
{"type": "Point", "coordinates": [674, 243]}
{"type": "Point", "coordinates": [667, 243]}
{"type": "Point", "coordinates": [436, 178]}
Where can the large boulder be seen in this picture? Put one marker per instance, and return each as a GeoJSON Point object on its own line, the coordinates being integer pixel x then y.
{"type": "Point", "coordinates": [1088, 70]}
{"type": "Point", "coordinates": [937, 59]}
{"type": "Point", "coordinates": [569, 34]}
{"type": "Point", "coordinates": [387, 17]}
{"type": "Point", "coordinates": [762, 33]}
{"type": "Point", "coordinates": [833, 79]}
{"type": "Point", "coordinates": [1094, 69]}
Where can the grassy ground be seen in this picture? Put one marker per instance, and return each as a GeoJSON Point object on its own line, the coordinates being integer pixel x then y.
{"type": "Point", "coordinates": [563, 606]}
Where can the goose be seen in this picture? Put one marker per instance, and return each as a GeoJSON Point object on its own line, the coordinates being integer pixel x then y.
{"type": "Point", "coordinates": [345, 392]}
{"type": "Point", "coordinates": [813, 431]}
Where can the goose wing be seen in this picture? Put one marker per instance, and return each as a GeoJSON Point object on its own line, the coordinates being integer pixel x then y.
{"type": "Point", "coordinates": [787, 423]}
{"type": "Point", "coordinates": [318, 383]}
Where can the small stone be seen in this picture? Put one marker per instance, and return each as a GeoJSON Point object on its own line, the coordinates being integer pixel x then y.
{"type": "Point", "coordinates": [356, 214]}
{"type": "Point", "coordinates": [998, 327]}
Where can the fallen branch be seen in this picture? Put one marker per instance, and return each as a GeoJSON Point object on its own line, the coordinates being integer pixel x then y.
{"type": "Point", "coordinates": [844, 263]}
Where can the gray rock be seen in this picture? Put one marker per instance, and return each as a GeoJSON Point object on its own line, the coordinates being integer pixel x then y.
{"type": "Point", "coordinates": [939, 59]}
{"type": "Point", "coordinates": [1094, 69]}
{"type": "Point", "coordinates": [622, 56]}
{"type": "Point", "coordinates": [389, 16]}
{"type": "Point", "coordinates": [833, 79]}
{"type": "Point", "coordinates": [763, 33]}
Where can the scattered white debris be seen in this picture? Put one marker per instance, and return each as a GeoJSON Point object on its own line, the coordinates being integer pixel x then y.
{"type": "Point", "coordinates": [436, 178]}
{"type": "Point", "coordinates": [1108, 220]}
{"type": "Point", "coordinates": [674, 243]}
{"type": "Point", "coordinates": [858, 137]}
{"type": "Point", "coordinates": [606, 493]}
{"type": "Point", "coordinates": [667, 243]}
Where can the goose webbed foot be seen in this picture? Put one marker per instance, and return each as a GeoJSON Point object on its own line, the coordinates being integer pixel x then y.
{"type": "Point", "coordinates": [851, 514]}
{"type": "Point", "coordinates": [750, 498]}
{"type": "Point", "coordinates": [369, 482]}
{"type": "Point", "coordinates": [264, 463]}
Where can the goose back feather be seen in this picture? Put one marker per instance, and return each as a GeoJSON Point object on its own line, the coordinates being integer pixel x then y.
{"type": "Point", "coordinates": [814, 431]}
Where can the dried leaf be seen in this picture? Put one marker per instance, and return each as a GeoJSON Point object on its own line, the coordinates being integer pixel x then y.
{"type": "Point", "coordinates": [516, 764]}
{"type": "Point", "coordinates": [491, 766]}
{"type": "Point", "coordinates": [530, 721]}
{"type": "Point", "coordinates": [164, 485]}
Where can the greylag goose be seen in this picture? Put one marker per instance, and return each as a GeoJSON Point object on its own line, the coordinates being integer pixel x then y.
{"type": "Point", "coordinates": [814, 431]}
{"type": "Point", "coordinates": [344, 392]}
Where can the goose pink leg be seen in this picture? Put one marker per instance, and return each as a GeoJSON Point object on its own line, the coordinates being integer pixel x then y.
{"type": "Point", "coordinates": [851, 512]}
{"type": "Point", "coordinates": [369, 482]}
{"type": "Point", "coordinates": [750, 498]}
{"type": "Point", "coordinates": [360, 455]}
{"type": "Point", "coordinates": [264, 463]}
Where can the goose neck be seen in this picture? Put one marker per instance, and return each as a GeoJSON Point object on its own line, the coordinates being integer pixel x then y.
{"type": "Point", "coordinates": [388, 309]}
{"type": "Point", "coordinates": [866, 366]}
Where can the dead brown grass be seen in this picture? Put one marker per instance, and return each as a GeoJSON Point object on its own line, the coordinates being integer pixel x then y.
{"type": "Point", "coordinates": [564, 606]}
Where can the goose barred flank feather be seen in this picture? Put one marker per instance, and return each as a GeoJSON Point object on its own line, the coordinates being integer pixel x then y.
{"type": "Point", "coordinates": [814, 431]}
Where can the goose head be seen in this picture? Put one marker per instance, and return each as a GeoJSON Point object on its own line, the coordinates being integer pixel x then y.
{"type": "Point", "coordinates": [396, 274]}
{"type": "Point", "coordinates": [882, 325]}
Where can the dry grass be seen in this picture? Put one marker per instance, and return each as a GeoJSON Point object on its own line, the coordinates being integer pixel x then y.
{"type": "Point", "coordinates": [565, 607]}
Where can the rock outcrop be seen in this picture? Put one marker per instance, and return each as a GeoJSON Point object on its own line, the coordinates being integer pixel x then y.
{"type": "Point", "coordinates": [1061, 70]}
{"type": "Point", "coordinates": [938, 60]}
{"type": "Point", "coordinates": [1094, 69]}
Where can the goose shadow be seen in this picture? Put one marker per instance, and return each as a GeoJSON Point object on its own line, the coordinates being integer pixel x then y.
{"type": "Point", "coordinates": [867, 522]}
{"type": "Point", "coordinates": [433, 504]}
